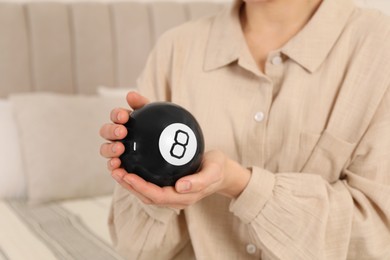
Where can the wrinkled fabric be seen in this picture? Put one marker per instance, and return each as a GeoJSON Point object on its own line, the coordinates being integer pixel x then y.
{"type": "Point", "coordinates": [319, 150]}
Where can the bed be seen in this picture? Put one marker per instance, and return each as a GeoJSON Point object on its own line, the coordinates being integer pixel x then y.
{"type": "Point", "coordinates": [64, 64]}
{"type": "Point", "coordinates": [71, 229]}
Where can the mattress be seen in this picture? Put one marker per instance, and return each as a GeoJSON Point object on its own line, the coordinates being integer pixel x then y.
{"type": "Point", "coordinates": [72, 229]}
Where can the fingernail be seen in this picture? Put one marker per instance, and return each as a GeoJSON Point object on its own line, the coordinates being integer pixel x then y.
{"type": "Point", "coordinates": [114, 148]}
{"type": "Point", "coordinates": [117, 131]}
{"type": "Point", "coordinates": [119, 116]}
{"type": "Point", "coordinates": [112, 164]}
{"type": "Point", "coordinates": [183, 186]}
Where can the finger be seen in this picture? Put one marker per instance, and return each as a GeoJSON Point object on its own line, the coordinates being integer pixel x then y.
{"type": "Point", "coordinates": [152, 194]}
{"type": "Point", "coordinates": [118, 175]}
{"type": "Point", "coordinates": [113, 163]}
{"type": "Point", "coordinates": [166, 196]}
{"type": "Point", "coordinates": [110, 150]}
{"type": "Point", "coordinates": [201, 181]}
{"type": "Point", "coordinates": [135, 100]}
{"type": "Point", "coordinates": [113, 132]}
{"type": "Point", "coordinates": [120, 115]}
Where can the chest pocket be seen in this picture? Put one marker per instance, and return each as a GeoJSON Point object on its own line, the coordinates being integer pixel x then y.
{"type": "Point", "coordinates": [329, 157]}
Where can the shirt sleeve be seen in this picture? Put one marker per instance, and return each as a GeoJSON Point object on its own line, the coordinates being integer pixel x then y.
{"type": "Point", "coordinates": [153, 82]}
{"type": "Point", "coordinates": [304, 216]}
{"type": "Point", "coordinates": [142, 231]}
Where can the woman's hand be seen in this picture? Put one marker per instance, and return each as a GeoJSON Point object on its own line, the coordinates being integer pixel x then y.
{"type": "Point", "coordinates": [115, 131]}
{"type": "Point", "coordinates": [218, 174]}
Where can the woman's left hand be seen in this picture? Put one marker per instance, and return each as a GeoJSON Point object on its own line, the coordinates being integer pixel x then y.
{"type": "Point", "coordinates": [218, 174]}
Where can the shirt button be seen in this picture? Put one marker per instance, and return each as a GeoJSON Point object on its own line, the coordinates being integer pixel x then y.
{"type": "Point", "coordinates": [277, 60]}
{"type": "Point", "coordinates": [251, 249]}
{"type": "Point", "coordinates": [259, 116]}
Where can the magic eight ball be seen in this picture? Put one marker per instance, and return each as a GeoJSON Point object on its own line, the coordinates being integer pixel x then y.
{"type": "Point", "coordinates": [164, 142]}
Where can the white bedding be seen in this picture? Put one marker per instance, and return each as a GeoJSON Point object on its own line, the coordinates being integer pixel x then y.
{"type": "Point", "coordinates": [72, 229]}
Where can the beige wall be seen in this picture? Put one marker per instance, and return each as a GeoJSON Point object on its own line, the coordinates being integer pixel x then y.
{"type": "Point", "coordinates": [383, 5]}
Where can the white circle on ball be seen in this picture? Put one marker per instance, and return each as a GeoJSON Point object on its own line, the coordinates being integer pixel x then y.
{"type": "Point", "coordinates": [177, 144]}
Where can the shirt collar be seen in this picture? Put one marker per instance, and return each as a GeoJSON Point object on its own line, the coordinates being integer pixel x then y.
{"type": "Point", "coordinates": [320, 34]}
{"type": "Point", "coordinates": [226, 38]}
{"type": "Point", "coordinates": [227, 44]}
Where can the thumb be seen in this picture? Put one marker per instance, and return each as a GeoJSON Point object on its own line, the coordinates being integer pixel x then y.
{"type": "Point", "coordinates": [136, 100]}
{"type": "Point", "coordinates": [211, 173]}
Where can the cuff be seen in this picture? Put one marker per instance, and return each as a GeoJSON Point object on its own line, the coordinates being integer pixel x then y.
{"type": "Point", "coordinates": [161, 214]}
{"type": "Point", "coordinates": [256, 194]}
{"type": "Point", "coordinates": [124, 200]}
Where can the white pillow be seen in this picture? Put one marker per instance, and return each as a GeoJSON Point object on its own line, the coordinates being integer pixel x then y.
{"type": "Point", "coordinates": [119, 92]}
{"type": "Point", "coordinates": [12, 179]}
{"type": "Point", "coordinates": [60, 145]}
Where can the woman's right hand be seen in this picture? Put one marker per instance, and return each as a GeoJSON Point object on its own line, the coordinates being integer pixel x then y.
{"type": "Point", "coordinates": [115, 131]}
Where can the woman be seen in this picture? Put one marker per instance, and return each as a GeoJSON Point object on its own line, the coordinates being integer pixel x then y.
{"type": "Point", "coordinates": [293, 98]}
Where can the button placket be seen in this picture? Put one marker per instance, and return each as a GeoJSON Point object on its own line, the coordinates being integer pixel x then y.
{"type": "Point", "coordinates": [253, 139]}
{"type": "Point", "coordinates": [275, 69]}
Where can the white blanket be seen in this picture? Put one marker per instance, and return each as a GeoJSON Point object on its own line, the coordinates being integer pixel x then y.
{"type": "Point", "coordinates": [74, 229]}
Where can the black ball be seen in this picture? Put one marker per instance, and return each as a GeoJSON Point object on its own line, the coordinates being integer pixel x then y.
{"type": "Point", "coordinates": [164, 143]}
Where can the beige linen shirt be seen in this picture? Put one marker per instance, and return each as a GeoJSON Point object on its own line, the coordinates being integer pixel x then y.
{"type": "Point", "coordinates": [314, 128]}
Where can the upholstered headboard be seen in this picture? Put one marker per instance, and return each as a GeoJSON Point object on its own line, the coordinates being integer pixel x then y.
{"type": "Point", "coordinates": [74, 46]}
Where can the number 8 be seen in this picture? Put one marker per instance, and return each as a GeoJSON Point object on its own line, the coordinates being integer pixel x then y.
{"type": "Point", "coordinates": [179, 148]}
